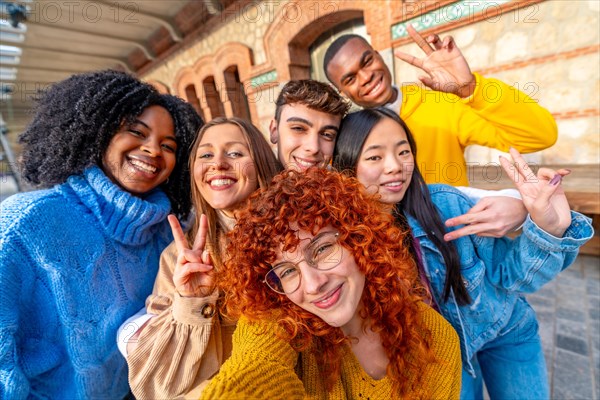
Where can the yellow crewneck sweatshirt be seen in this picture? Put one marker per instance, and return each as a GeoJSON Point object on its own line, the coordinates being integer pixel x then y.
{"type": "Point", "coordinates": [496, 115]}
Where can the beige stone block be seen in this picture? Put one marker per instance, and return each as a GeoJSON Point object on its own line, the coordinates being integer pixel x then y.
{"type": "Point", "coordinates": [590, 152]}
{"type": "Point", "coordinates": [259, 56]}
{"type": "Point", "coordinates": [584, 69]}
{"type": "Point", "coordinates": [478, 55]}
{"type": "Point", "coordinates": [578, 142]}
{"type": "Point", "coordinates": [550, 73]}
{"type": "Point", "coordinates": [563, 10]}
{"type": "Point", "coordinates": [464, 37]}
{"type": "Point", "coordinates": [559, 98]}
{"type": "Point", "coordinates": [544, 33]}
{"type": "Point", "coordinates": [579, 32]}
{"type": "Point", "coordinates": [490, 30]}
{"type": "Point", "coordinates": [573, 129]}
{"type": "Point", "coordinates": [513, 45]}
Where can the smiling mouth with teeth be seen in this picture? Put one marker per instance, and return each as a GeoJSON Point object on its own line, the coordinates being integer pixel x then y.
{"type": "Point", "coordinates": [221, 182]}
{"type": "Point", "coordinates": [143, 166]}
{"type": "Point", "coordinates": [375, 88]}
{"type": "Point", "coordinates": [306, 164]}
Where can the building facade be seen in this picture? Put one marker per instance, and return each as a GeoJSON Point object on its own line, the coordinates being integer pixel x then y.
{"type": "Point", "coordinates": [548, 49]}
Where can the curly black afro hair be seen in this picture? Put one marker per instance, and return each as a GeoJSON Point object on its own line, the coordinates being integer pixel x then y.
{"type": "Point", "coordinates": [75, 119]}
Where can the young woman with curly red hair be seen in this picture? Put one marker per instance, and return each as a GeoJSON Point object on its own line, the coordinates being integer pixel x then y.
{"type": "Point", "coordinates": [329, 300]}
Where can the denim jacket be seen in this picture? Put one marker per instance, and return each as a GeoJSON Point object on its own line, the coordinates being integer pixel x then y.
{"type": "Point", "coordinates": [495, 271]}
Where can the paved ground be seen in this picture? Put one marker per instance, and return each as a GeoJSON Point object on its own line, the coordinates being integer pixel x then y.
{"type": "Point", "coordinates": [568, 311]}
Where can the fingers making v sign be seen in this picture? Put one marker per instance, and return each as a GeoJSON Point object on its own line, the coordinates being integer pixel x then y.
{"type": "Point", "coordinates": [447, 69]}
{"type": "Point", "coordinates": [542, 194]}
{"type": "Point", "coordinates": [194, 275]}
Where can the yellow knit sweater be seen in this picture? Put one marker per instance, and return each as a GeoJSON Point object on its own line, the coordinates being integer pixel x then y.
{"type": "Point", "coordinates": [263, 366]}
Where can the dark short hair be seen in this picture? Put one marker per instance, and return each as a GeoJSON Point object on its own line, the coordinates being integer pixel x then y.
{"type": "Point", "coordinates": [315, 95]}
{"type": "Point", "coordinates": [335, 47]}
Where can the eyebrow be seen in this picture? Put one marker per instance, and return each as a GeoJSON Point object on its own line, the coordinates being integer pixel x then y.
{"type": "Point", "coordinates": [139, 121]}
{"type": "Point", "coordinates": [318, 236]}
{"type": "Point", "coordinates": [312, 242]}
{"type": "Point", "coordinates": [335, 128]}
{"type": "Point", "coordinates": [226, 144]}
{"type": "Point", "coordinates": [378, 146]}
{"type": "Point", "coordinates": [298, 119]}
{"type": "Point", "coordinates": [362, 62]}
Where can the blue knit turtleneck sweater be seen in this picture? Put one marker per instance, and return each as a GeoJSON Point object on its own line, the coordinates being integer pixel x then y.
{"type": "Point", "coordinates": [76, 261]}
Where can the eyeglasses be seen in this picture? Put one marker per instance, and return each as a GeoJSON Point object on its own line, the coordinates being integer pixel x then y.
{"type": "Point", "coordinates": [324, 252]}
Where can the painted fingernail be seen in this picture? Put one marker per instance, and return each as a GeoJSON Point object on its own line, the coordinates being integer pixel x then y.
{"type": "Point", "coordinates": [556, 180]}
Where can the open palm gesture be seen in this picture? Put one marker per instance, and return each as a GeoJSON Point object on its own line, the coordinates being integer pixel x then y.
{"type": "Point", "coordinates": [447, 69]}
{"type": "Point", "coordinates": [543, 195]}
{"type": "Point", "coordinates": [194, 275]}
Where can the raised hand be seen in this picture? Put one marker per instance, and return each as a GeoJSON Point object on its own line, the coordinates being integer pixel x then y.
{"type": "Point", "coordinates": [543, 195]}
{"type": "Point", "coordinates": [447, 69]}
{"type": "Point", "coordinates": [194, 275]}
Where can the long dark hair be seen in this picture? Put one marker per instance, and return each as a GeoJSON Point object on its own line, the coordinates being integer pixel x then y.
{"type": "Point", "coordinates": [417, 203]}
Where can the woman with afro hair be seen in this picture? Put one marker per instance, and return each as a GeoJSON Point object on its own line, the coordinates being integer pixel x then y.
{"type": "Point", "coordinates": [329, 299]}
{"type": "Point", "coordinates": [109, 154]}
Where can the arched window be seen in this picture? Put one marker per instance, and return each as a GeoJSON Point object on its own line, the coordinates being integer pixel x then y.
{"type": "Point", "coordinates": [236, 93]}
{"type": "Point", "coordinates": [212, 98]}
{"type": "Point", "coordinates": [192, 98]}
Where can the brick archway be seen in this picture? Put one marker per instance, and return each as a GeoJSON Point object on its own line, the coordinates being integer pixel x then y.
{"type": "Point", "coordinates": [236, 57]}
{"type": "Point", "coordinates": [185, 77]}
{"type": "Point", "coordinates": [209, 78]}
{"type": "Point", "coordinates": [187, 88]}
{"type": "Point", "coordinates": [287, 42]}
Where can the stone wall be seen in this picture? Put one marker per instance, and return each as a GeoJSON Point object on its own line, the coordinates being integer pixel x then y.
{"type": "Point", "coordinates": [549, 50]}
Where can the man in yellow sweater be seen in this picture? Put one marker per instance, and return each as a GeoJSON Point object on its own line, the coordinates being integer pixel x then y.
{"type": "Point", "coordinates": [463, 108]}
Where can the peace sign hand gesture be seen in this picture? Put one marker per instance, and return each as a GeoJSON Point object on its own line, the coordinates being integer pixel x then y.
{"type": "Point", "coordinates": [194, 275]}
{"type": "Point", "coordinates": [543, 195]}
{"type": "Point", "coordinates": [447, 69]}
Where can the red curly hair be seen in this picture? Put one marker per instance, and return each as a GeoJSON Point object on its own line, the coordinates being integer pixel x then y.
{"type": "Point", "coordinates": [313, 200]}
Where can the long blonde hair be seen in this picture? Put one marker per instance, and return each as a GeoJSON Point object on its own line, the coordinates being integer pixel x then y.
{"type": "Point", "coordinates": [265, 162]}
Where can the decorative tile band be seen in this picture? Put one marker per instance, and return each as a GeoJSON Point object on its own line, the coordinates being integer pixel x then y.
{"type": "Point", "coordinates": [267, 77]}
{"type": "Point", "coordinates": [459, 10]}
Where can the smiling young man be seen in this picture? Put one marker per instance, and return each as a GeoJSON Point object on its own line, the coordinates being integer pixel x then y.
{"type": "Point", "coordinates": [307, 118]}
{"type": "Point", "coordinates": [308, 114]}
{"type": "Point", "coordinates": [463, 109]}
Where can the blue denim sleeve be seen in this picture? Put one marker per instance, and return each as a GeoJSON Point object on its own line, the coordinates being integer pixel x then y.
{"type": "Point", "coordinates": [536, 257]}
